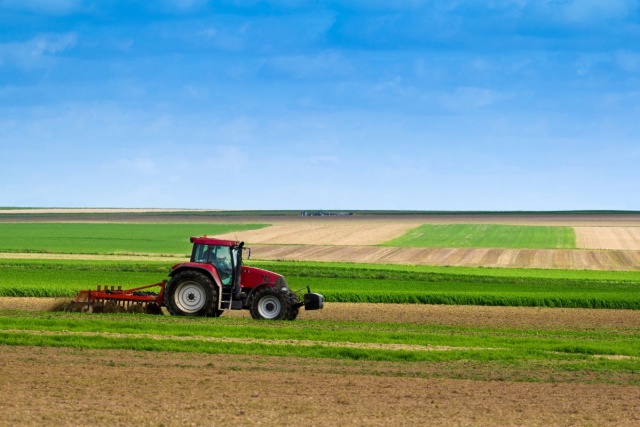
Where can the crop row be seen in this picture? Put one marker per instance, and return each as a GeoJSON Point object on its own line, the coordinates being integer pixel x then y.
{"type": "Point", "coordinates": [340, 282]}
{"type": "Point", "coordinates": [604, 352]}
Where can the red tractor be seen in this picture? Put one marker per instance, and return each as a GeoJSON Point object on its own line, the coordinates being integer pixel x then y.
{"type": "Point", "coordinates": [212, 281]}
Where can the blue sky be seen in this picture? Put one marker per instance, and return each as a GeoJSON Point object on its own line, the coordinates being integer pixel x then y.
{"type": "Point", "coordinates": [426, 105]}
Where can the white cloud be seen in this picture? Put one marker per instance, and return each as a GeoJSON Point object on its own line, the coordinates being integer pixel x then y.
{"type": "Point", "coordinates": [36, 52]}
{"type": "Point", "coordinates": [325, 159]}
{"type": "Point", "coordinates": [237, 130]}
{"type": "Point", "coordinates": [209, 32]}
{"type": "Point", "coordinates": [229, 157]}
{"type": "Point", "coordinates": [144, 166]}
{"type": "Point", "coordinates": [582, 11]}
{"type": "Point", "coordinates": [628, 61]}
{"type": "Point", "coordinates": [324, 64]}
{"type": "Point", "coordinates": [463, 98]}
{"type": "Point", "coordinates": [53, 7]}
{"type": "Point", "coordinates": [183, 5]}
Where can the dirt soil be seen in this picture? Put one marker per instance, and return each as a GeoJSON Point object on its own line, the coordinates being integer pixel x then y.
{"type": "Point", "coordinates": [474, 257]}
{"type": "Point", "coordinates": [452, 315]}
{"type": "Point", "coordinates": [486, 257]}
{"type": "Point", "coordinates": [59, 386]}
{"type": "Point", "coordinates": [323, 232]}
{"type": "Point", "coordinates": [62, 386]}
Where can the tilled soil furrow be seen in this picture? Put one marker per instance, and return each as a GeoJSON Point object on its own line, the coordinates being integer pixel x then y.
{"type": "Point", "coordinates": [454, 315]}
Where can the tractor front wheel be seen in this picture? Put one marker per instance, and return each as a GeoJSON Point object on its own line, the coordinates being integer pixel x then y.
{"type": "Point", "coordinates": [272, 304]}
{"type": "Point", "coordinates": [191, 293]}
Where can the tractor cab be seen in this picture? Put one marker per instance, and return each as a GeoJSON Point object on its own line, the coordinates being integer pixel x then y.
{"type": "Point", "coordinates": [224, 257]}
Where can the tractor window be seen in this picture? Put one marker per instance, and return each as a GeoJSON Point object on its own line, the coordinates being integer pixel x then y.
{"type": "Point", "coordinates": [221, 259]}
{"type": "Point", "coordinates": [201, 253]}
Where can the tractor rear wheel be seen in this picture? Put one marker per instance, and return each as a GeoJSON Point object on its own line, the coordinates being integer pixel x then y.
{"type": "Point", "coordinates": [191, 293]}
{"type": "Point", "coordinates": [271, 304]}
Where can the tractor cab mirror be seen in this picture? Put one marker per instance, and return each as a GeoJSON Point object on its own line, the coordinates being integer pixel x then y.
{"type": "Point", "coordinates": [248, 253]}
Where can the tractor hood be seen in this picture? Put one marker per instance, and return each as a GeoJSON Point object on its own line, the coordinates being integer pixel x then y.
{"type": "Point", "coordinates": [252, 277]}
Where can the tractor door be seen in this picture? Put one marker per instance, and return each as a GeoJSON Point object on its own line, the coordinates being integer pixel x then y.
{"type": "Point", "coordinates": [221, 257]}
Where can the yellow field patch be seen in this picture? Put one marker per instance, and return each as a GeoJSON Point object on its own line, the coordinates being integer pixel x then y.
{"type": "Point", "coordinates": [624, 238]}
{"type": "Point", "coordinates": [327, 232]}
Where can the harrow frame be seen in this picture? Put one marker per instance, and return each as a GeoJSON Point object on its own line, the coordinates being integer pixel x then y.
{"type": "Point", "coordinates": [126, 298]}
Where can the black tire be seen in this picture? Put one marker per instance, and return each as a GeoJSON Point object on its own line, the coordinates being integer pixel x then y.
{"type": "Point", "coordinates": [191, 293]}
{"type": "Point", "coordinates": [293, 298]}
{"type": "Point", "coordinates": [271, 304]}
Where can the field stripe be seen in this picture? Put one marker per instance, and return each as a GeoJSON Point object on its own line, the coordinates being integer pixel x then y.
{"type": "Point", "coordinates": [460, 257]}
{"type": "Point", "coordinates": [59, 336]}
{"type": "Point", "coordinates": [569, 259]}
{"type": "Point", "coordinates": [623, 238]}
{"type": "Point", "coordinates": [305, 343]}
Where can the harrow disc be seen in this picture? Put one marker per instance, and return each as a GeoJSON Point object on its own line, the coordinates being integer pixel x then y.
{"type": "Point", "coordinates": [78, 307]}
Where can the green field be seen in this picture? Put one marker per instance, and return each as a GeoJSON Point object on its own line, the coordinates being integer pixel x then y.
{"type": "Point", "coordinates": [517, 354]}
{"type": "Point", "coordinates": [487, 236]}
{"type": "Point", "coordinates": [89, 238]}
{"type": "Point", "coordinates": [596, 354]}
{"type": "Point", "coordinates": [343, 282]}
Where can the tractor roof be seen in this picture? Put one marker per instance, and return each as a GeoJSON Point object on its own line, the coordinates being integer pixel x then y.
{"type": "Point", "coordinates": [204, 240]}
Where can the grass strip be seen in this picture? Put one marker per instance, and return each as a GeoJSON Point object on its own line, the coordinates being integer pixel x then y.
{"type": "Point", "coordinates": [487, 236]}
{"type": "Point", "coordinates": [528, 354]}
{"type": "Point", "coordinates": [341, 282]}
{"type": "Point", "coordinates": [533, 342]}
{"type": "Point", "coordinates": [292, 350]}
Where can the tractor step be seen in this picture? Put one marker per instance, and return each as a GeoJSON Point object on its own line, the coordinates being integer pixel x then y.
{"type": "Point", "coordinates": [235, 305]}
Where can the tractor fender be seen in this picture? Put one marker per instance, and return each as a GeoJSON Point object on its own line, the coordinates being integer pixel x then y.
{"type": "Point", "coordinates": [209, 270]}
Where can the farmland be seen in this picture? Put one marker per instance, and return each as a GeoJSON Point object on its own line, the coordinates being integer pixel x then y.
{"type": "Point", "coordinates": [346, 282]}
{"type": "Point", "coordinates": [91, 238]}
{"type": "Point", "coordinates": [570, 351]}
{"type": "Point", "coordinates": [330, 369]}
{"type": "Point", "coordinates": [506, 346]}
{"type": "Point", "coordinates": [487, 236]}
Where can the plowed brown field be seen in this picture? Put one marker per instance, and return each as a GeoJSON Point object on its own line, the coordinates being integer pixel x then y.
{"type": "Point", "coordinates": [625, 238]}
{"type": "Point", "coordinates": [455, 315]}
{"type": "Point", "coordinates": [62, 386]}
{"type": "Point", "coordinates": [506, 258]}
{"type": "Point", "coordinates": [58, 386]}
{"type": "Point", "coordinates": [332, 232]}
{"type": "Point", "coordinates": [475, 257]}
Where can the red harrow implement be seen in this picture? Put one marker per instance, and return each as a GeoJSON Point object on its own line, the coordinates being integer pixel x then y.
{"type": "Point", "coordinates": [112, 300]}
